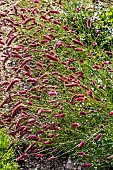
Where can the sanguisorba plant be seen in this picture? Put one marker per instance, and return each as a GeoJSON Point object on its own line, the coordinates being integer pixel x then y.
{"type": "Point", "coordinates": [56, 82]}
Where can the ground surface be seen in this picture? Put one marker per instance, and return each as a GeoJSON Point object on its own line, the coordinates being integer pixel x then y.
{"type": "Point", "coordinates": [44, 164]}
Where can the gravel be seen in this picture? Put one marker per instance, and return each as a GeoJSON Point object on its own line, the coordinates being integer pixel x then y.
{"type": "Point", "coordinates": [33, 163]}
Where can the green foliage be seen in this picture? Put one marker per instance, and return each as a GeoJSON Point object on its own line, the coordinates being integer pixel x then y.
{"type": "Point", "coordinates": [7, 156]}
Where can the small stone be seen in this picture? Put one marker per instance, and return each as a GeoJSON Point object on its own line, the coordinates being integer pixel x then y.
{"type": "Point", "coordinates": [69, 164]}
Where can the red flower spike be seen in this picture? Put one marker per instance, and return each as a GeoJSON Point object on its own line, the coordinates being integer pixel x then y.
{"type": "Point", "coordinates": [16, 109]}
{"type": "Point", "coordinates": [27, 68]}
{"type": "Point", "coordinates": [2, 14]}
{"type": "Point", "coordinates": [25, 61]}
{"type": "Point", "coordinates": [91, 111]}
{"type": "Point", "coordinates": [95, 43]}
{"type": "Point", "coordinates": [79, 49]}
{"type": "Point", "coordinates": [18, 122]}
{"type": "Point", "coordinates": [33, 80]}
{"type": "Point", "coordinates": [88, 23]}
{"type": "Point", "coordinates": [66, 27]}
{"type": "Point", "coordinates": [81, 153]}
{"type": "Point", "coordinates": [10, 40]}
{"type": "Point", "coordinates": [12, 143]}
{"type": "Point", "coordinates": [80, 99]}
{"type": "Point", "coordinates": [52, 93]}
{"type": "Point", "coordinates": [22, 92]}
{"type": "Point", "coordinates": [43, 75]}
{"type": "Point", "coordinates": [56, 22]}
{"type": "Point", "coordinates": [23, 17]}
{"type": "Point", "coordinates": [15, 9]}
{"type": "Point", "coordinates": [40, 111]}
{"type": "Point", "coordinates": [35, 9]}
{"type": "Point", "coordinates": [50, 135]}
{"type": "Point", "coordinates": [54, 12]}
{"type": "Point", "coordinates": [85, 87]}
{"type": "Point", "coordinates": [57, 135]}
{"type": "Point", "coordinates": [1, 42]}
{"type": "Point", "coordinates": [44, 17]}
{"type": "Point", "coordinates": [51, 158]}
{"type": "Point", "coordinates": [27, 74]}
{"type": "Point", "coordinates": [29, 147]}
{"type": "Point", "coordinates": [58, 44]}
{"type": "Point", "coordinates": [30, 103]}
{"type": "Point", "coordinates": [97, 67]}
{"type": "Point", "coordinates": [47, 142]}
{"type": "Point", "coordinates": [72, 85]}
{"type": "Point", "coordinates": [11, 84]}
{"type": "Point", "coordinates": [86, 165]}
{"type": "Point", "coordinates": [21, 157]}
{"type": "Point", "coordinates": [109, 52]}
{"type": "Point", "coordinates": [90, 93]}
{"type": "Point", "coordinates": [10, 20]}
{"type": "Point", "coordinates": [38, 155]}
{"type": "Point", "coordinates": [75, 124]}
{"type": "Point", "coordinates": [83, 113]}
{"type": "Point", "coordinates": [32, 120]}
{"type": "Point", "coordinates": [7, 100]}
{"type": "Point", "coordinates": [98, 137]}
{"type": "Point", "coordinates": [39, 64]}
{"type": "Point", "coordinates": [59, 2]}
{"type": "Point", "coordinates": [78, 42]}
{"type": "Point", "coordinates": [78, 9]}
{"type": "Point", "coordinates": [90, 55]}
{"type": "Point", "coordinates": [80, 95]}
{"type": "Point", "coordinates": [105, 63]}
{"type": "Point", "coordinates": [52, 57]}
{"type": "Point", "coordinates": [36, 1]}
{"type": "Point", "coordinates": [27, 20]}
{"type": "Point", "coordinates": [81, 144]}
{"type": "Point", "coordinates": [59, 115]}
{"type": "Point", "coordinates": [47, 37]}
{"type": "Point", "coordinates": [36, 150]}
{"type": "Point", "coordinates": [40, 131]}
{"type": "Point", "coordinates": [48, 111]}
{"type": "Point", "coordinates": [57, 128]}
{"type": "Point", "coordinates": [32, 137]}
{"type": "Point", "coordinates": [111, 113]}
